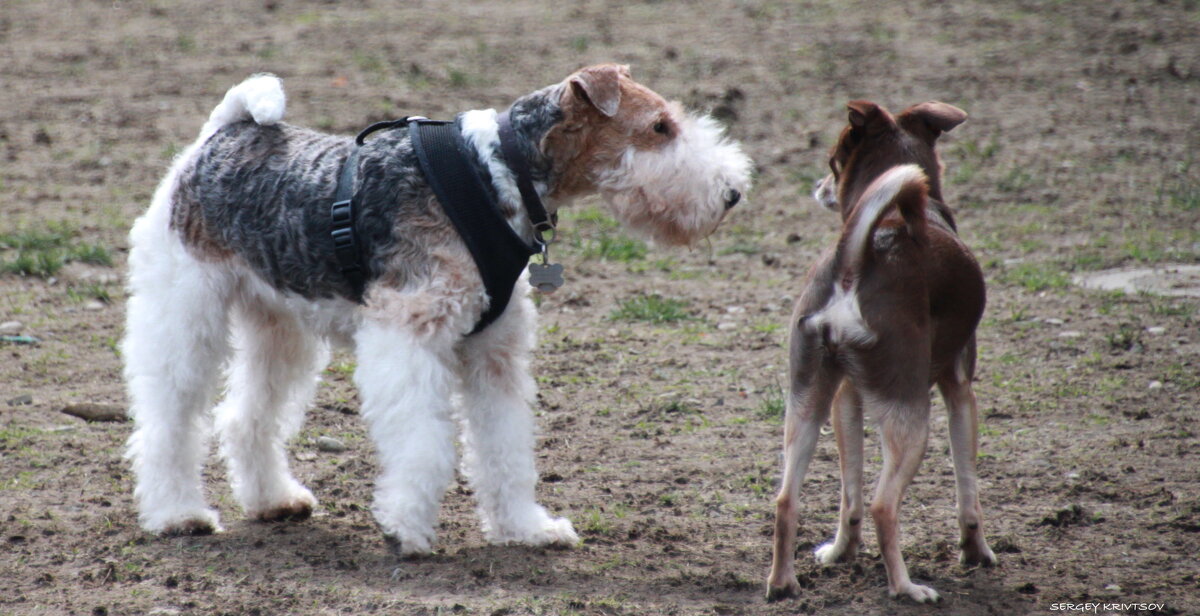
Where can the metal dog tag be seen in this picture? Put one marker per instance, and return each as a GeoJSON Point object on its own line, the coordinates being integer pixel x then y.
{"type": "Point", "coordinates": [546, 278]}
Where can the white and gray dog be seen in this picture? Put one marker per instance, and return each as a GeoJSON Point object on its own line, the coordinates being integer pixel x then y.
{"type": "Point", "coordinates": [232, 266]}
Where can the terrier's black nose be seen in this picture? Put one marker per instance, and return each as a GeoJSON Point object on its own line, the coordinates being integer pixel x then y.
{"type": "Point", "coordinates": [731, 198]}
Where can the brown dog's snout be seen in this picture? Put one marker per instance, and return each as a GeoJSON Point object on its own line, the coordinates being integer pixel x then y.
{"type": "Point", "coordinates": [732, 196]}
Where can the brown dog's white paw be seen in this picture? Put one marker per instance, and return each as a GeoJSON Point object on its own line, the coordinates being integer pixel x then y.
{"type": "Point", "coordinates": [916, 592]}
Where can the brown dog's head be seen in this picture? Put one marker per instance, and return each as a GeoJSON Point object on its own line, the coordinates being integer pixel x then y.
{"type": "Point", "coordinates": [875, 141]}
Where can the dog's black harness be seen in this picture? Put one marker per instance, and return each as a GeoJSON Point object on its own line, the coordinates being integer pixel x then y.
{"type": "Point", "coordinates": [499, 253]}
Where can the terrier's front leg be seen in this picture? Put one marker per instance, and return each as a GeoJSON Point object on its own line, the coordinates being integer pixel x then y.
{"type": "Point", "coordinates": [498, 435]}
{"type": "Point", "coordinates": [405, 382]}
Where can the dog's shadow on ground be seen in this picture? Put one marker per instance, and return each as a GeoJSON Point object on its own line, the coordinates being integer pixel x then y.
{"type": "Point", "coordinates": [351, 554]}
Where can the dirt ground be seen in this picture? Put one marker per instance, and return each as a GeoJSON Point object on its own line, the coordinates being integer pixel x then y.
{"type": "Point", "coordinates": [659, 430]}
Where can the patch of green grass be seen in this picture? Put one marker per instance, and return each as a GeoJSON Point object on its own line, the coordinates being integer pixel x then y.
{"type": "Point", "coordinates": [307, 18]}
{"type": "Point", "coordinates": [458, 78]}
{"type": "Point", "coordinates": [742, 247]}
{"type": "Point", "coordinates": [591, 216]}
{"type": "Point", "coordinates": [1036, 276]}
{"type": "Point", "coordinates": [24, 481]}
{"type": "Point", "coordinates": [95, 291]}
{"type": "Point", "coordinates": [42, 264]}
{"type": "Point", "coordinates": [972, 158]}
{"type": "Point", "coordinates": [1017, 179]}
{"type": "Point", "coordinates": [1185, 377]}
{"type": "Point", "coordinates": [773, 406]}
{"type": "Point", "coordinates": [94, 254]}
{"type": "Point", "coordinates": [1010, 359]}
{"type": "Point", "coordinates": [652, 309]}
{"type": "Point", "coordinates": [1165, 308]}
{"type": "Point", "coordinates": [343, 368]}
{"type": "Point", "coordinates": [16, 437]}
{"type": "Point", "coordinates": [368, 62]}
{"type": "Point", "coordinates": [1181, 191]}
{"type": "Point", "coordinates": [614, 247]}
{"type": "Point", "coordinates": [1125, 338]}
{"type": "Point", "coordinates": [768, 327]}
{"type": "Point", "coordinates": [42, 252]}
{"type": "Point", "coordinates": [759, 483]}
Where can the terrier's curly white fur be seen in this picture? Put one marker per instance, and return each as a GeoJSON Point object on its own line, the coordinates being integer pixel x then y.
{"type": "Point", "coordinates": [229, 270]}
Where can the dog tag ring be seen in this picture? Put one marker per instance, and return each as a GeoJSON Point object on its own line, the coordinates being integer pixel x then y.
{"type": "Point", "coordinates": [546, 278]}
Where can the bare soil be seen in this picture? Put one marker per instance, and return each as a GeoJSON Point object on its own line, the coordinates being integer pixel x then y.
{"type": "Point", "coordinates": [659, 439]}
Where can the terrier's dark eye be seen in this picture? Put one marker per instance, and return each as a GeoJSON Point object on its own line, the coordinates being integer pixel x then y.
{"type": "Point", "coordinates": [660, 128]}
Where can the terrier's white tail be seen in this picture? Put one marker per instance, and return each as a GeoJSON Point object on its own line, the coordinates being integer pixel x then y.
{"type": "Point", "coordinates": [259, 98]}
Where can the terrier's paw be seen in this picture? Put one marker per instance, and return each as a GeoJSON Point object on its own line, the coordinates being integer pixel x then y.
{"type": "Point", "coordinates": [296, 511]}
{"type": "Point", "coordinates": [293, 504]}
{"type": "Point", "coordinates": [543, 530]}
{"type": "Point", "coordinates": [916, 592]}
{"type": "Point", "coordinates": [831, 553]}
{"type": "Point", "coordinates": [204, 522]}
{"type": "Point", "coordinates": [555, 532]}
{"type": "Point", "coordinates": [411, 549]}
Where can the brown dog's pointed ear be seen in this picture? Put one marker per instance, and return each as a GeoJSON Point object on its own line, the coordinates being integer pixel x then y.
{"type": "Point", "coordinates": [865, 115]}
{"type": "Point", "coordinates": [932, 117]}
{"type": "Point", "coordinates": [600, 87]}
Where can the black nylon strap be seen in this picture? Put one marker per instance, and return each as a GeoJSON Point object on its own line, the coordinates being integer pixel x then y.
{"type": "Point", "coordinates": [346, 245]}
{"type": "Point", "coordinates": [500, 254]}
{"type": "Point", "coordinates": [520, 166]}
{"type": "Point", "coordinates": [341, 229]}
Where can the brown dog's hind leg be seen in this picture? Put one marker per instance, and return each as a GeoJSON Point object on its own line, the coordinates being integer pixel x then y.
{"type": "Point", "coordinates": [904, 434]}
{"type": "Point", "coordinates": [807, 410]}
{"type": "Point", "coordinates": [964, 445]}
{"type": "Point", "coordinates": [848, 428]}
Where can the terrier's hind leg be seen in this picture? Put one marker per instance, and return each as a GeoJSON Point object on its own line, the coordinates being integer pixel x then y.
{"type": "Point", "coordinates": [175, 343]}
{"type": "Point", "coordinates": [271, 381]}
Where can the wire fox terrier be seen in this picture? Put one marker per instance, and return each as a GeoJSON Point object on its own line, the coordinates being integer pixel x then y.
{"type": "Point", "coordinates": [232, 265]}
{"type": "Point", "coordinates": [888, 312]}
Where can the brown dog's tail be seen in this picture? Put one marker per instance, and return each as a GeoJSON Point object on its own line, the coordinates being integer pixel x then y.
{"type": "Point", "coordinates": [905, 188]}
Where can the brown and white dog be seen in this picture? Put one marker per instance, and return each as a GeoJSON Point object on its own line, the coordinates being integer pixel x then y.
{"type": "Point", "coordinates": [888, 312]}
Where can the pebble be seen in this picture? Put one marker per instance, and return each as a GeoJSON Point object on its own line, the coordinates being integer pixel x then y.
{"type": "Point", "coordinates": [726, 325]}
{"type": "Point", "coordinates": [1157, 331]}
{"type": "Point", "coordinates": [1112, 588]}
{"type": "Point", "coordinates": [11, 328]}
{"type": "Point", "coordinates": [94, 305]}
{"type": "Point", "coordinates": [330, 444]}
{"type": "Point", "coordinates": [1155, 385]}
{"type": "Point", "coordinates": [1070, 333]}
{"type": "Point", "coordinates": [1053, 321]}
{"type": "Point", "coordinates": [163, 611]}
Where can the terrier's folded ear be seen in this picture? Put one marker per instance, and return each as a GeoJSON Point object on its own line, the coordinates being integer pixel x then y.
{"type": "Point", "coordinates": [600, 87]}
